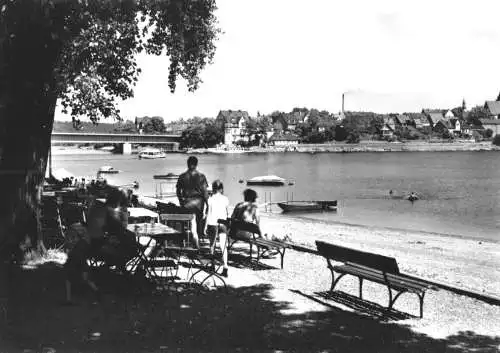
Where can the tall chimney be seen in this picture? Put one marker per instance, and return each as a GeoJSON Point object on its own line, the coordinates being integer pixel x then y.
{"type": "Point", "coordinates": [342, 103]}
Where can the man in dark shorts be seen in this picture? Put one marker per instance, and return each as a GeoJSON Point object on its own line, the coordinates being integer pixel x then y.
{"type": "Point", "coordinates": [192, 192]}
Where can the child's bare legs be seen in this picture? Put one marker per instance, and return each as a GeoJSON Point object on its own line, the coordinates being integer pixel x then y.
{"type": "Point", "coordinates": [223, 246]}
{"type": "Point", "coordinates": [194, 232]}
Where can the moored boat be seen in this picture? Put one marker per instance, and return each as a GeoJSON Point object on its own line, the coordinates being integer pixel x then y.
{"type": "Point", "coordinates": [301, 206]}
{"type": "Point", "coordinates": [151, 153]}
{"type": "Point", "coordinates": [267, 180]}
{"type": "Point", "coordinates": [168, 176]}
{"type": "Point", "coordinates": [107, 169]}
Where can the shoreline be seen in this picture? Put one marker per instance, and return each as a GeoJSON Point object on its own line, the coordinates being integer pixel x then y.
{"type": "Point", "coordinates": [375, 147]}
{"type": "Point", "coordinates": [396, 229]}
{"type": "Point", "coordinates": [458, 261]}
{"type": "Point", "coordinates": [461, 262]}
{"type": "Point", "coordinates": [360, 147]}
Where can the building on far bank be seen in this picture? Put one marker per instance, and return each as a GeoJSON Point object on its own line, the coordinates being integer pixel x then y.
{"type": "Point", "coordinates": [387, 131]}
{"type": "Point", "coordinates": [235, 125]}
{"type": "Point", "coordinates": [420, 121]}
{"type": "Point", "coordinates": [434, 118]}
{"type": "Point", "coordinates": [492, 109]}
{"type": "Point", "coordinates": [492, 124]}
{"type": "Point", "coordinates": [280, 139]}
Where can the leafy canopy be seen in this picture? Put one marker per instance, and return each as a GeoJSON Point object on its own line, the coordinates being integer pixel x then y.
{"type": "Point", "coordinates": [95, 43]}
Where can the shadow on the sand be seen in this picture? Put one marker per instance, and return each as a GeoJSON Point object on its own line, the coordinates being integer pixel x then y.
{"type": "Point", "coordinates": [196, 320]}
{"type": "Point", "coordinates": [241, 260]}
{"type": "Point", "coordinates": [374, 310]}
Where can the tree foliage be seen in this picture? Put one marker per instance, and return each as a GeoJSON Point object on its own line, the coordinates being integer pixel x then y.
{"type": "Point", "coordinates": [201, 133]}
{"type": "Point", "coordinates": [82, 52]}
{"type": "Point", "coordinates": [488, 133]}
{"type": "Point", "coordinates": [154, 125]}
{"type": "Point", "coordinates": [125, 127]}
{"type": "Point", "coordinates": [476, 113]}
{"type": "Point", "coordinates": [96, 43]}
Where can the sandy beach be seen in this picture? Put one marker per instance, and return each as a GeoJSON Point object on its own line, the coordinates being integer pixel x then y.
{"type": "Point", "coordinates": [463, 263]}
{"type": "Point", "coordinates": [268, 309]}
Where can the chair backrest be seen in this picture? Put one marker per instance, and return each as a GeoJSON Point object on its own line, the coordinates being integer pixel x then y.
{"type": "Point", "coordinates": [343, 254]}
{"type": "Point", "coordinates": [182, 222]}
{"type": "Point", "coordinates": [179, 221]}
{"type": "Point", "coordinates": [176, 217]}
{"type": "Point", "coordinates": [168, 208]}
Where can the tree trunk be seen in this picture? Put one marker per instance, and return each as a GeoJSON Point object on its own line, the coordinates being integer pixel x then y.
{"type": "Point", "coordinates": [27, 105]}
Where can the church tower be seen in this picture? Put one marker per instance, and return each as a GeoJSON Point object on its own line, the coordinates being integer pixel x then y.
{"type": "Point", "coordinates": [464, 107]}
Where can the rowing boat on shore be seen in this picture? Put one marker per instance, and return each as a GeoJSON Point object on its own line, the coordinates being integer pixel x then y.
{"type": "Point", "coordinates": [301, 206]}
{"type": "Point", "coordinates": [267, 180]}
{"type": "Point", "coordinates": [169, 176]}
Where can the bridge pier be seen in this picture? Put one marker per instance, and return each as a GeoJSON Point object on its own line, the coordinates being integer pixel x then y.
{"type": "Point", "coordinates": [126, 148]}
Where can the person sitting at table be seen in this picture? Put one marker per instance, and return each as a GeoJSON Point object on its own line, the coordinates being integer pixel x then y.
{"type": "Point", "coordinates": [245, 212]}
{"type": "Point", "coordinates": [120, 244]}
{"type": "Point", "coordinates": [218, 208]}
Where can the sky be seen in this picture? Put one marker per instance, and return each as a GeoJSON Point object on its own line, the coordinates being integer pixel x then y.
{"type": "Point", "coordinates": [385, 55]}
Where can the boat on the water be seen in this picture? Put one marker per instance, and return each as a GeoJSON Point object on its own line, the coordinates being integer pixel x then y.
{"type": "Point", "coordinates": [151, 153]}
{"type": "Point", "coordinates": [107, 169]}
{"type": "Point", "coordinates": [267, 180]}
{"type": "Point", "coordinates": [168, 176]}
{"type": "Point", "coordinates": [301, 206]}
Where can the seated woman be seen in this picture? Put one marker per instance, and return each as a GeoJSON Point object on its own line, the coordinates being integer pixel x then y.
{"type": "Point", "coordinates": [245, 212]}
{"type": "Point", "coordinates": [119, 245]}
{"type": "Point", "coordinates": [106, 237]}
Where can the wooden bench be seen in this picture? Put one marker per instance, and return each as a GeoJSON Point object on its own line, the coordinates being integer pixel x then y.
{"type": "Point", "coordinates": [373, 267]}
{"type": "Point", "coordinates": [263, 246]}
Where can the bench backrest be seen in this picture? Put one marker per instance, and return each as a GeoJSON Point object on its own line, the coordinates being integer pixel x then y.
{"type": "Point", "coordinates": [343, 254]}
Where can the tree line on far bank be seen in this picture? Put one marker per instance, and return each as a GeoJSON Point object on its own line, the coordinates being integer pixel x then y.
{"type": "Point", "coordinates": [320, 127]}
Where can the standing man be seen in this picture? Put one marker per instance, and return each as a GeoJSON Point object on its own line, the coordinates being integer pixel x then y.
{"type": "Point", "coordinates": [192, 192]}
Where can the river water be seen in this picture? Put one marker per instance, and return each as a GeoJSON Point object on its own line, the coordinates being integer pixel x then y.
{"type": "Point", "coordinates": [460, 191]}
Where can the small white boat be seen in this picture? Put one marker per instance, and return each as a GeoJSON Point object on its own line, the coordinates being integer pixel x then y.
{"type": "Point", "coordinates": [151, 153]}
{"type": "Point", "coordinates": [107, 148]}
{"type": "Point", "coordinates": [107, 169]}
{"type": "Point", "coordinates": [269, 180]}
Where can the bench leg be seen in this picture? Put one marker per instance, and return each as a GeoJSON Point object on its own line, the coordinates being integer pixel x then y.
{"type": "Point", "coordinates": [421, 299]}
{"type": "Point", "coordinates": [282, 257]}
{"type": "Point", "coordinates": [360, 288]}
{"type": "Point", "coordinates": [393, 300]}
{"type": "Point", "coordinates": [334, 282]}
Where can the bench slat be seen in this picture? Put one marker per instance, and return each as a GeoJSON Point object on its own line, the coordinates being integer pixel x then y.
{"type": "Point", "coordinates": [386, 277]}
{"type": "Point", "coordinates": [399, 277]}
{"type": "Point", "coordinates": [269, 243]}
{"type": "Point", "coordinates": [392, 277]}
{"type": "Point", "coordinates": [394, 281]}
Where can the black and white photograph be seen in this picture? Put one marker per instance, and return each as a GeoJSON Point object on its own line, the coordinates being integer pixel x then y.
{"type": "Point", "coordinates": [249, 176]}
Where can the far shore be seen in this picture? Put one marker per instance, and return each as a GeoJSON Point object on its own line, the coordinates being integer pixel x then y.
{"type": "Point", "coordinates": [363, 146]}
